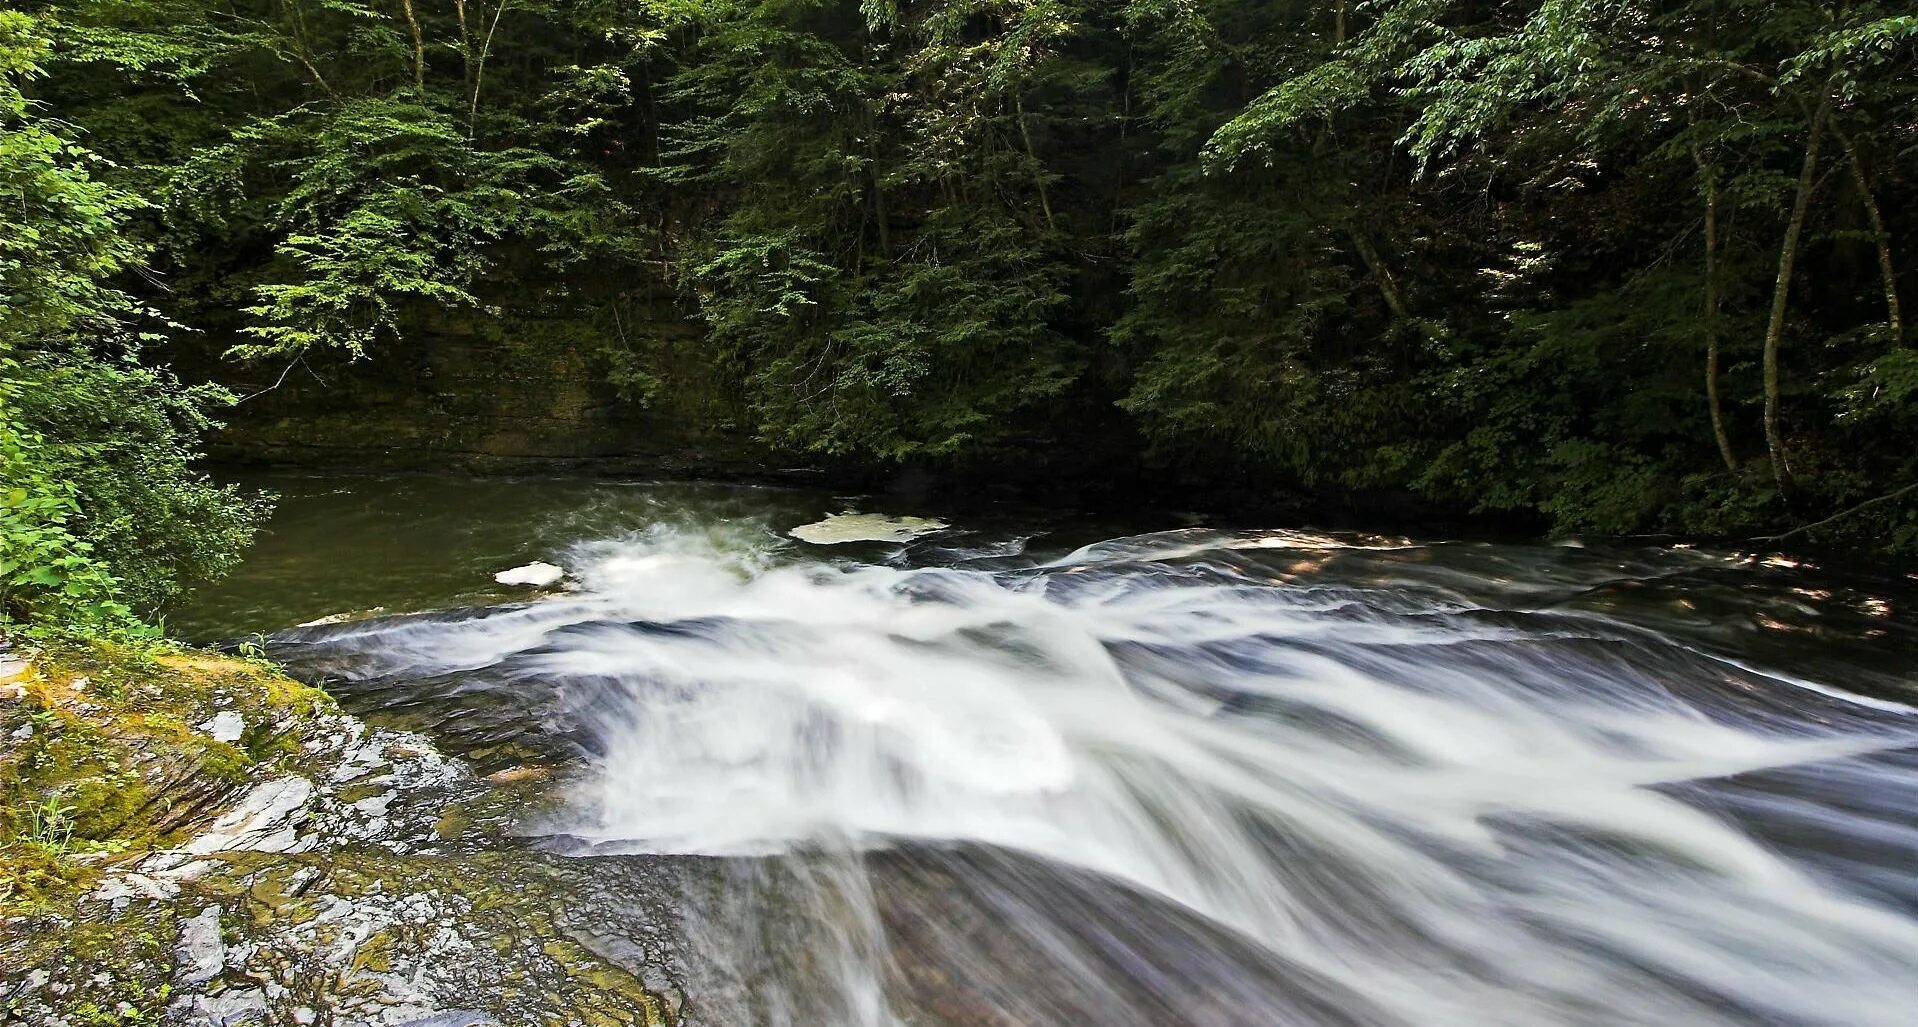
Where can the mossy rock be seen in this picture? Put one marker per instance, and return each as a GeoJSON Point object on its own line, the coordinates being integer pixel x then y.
{"type": "Point", "coordinates": [101, 919]}
{"type": "Point", "coordinates": [104, 755]}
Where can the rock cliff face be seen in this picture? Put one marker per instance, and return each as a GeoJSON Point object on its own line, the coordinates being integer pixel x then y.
{"type": "Point", "coordinates": [468, 395]}
{"type": "Point", "coordinates": [635, 394]}
{"type": "Point", "coordinates": [310, 870]}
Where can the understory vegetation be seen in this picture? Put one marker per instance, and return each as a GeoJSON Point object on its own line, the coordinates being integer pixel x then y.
{"type": "Point", "coordinates": [102, 516]}
{"type": "Point", "coordinates": [1618, 265]}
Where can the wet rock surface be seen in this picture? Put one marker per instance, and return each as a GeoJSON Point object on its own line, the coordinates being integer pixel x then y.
{"type": "Point", "coordinates": [346, 874]}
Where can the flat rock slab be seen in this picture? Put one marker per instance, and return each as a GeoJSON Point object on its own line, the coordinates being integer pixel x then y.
{"type": "Point", "coordinates": [858, 527]}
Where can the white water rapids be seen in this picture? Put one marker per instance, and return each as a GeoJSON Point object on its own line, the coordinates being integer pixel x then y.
{"type": "Point", "coordinates": [1198, 778]}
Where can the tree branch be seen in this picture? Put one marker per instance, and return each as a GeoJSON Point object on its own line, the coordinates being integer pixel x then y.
{"type": "Point", "coordinates": [1840, 515]}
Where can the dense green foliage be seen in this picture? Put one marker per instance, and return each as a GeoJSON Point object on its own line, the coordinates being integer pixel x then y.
{"type": "Point", "coordinates": [1625, 266]}
{"type": "Point", "coordinates": [102, 517]}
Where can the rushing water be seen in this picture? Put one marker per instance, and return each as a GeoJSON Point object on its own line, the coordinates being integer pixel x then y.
{"type": "Point", "coordinates": [1192, 776]}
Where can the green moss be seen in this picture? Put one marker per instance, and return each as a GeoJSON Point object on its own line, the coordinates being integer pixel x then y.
{"type": "Point", "coordinates": [115, 968]}
{"type": "Point", "coordinates": [451, 826]}
{"type": "Point", "coordinates": [131, 771]}
{"type": "Point", "coordinates": [31, 875]}
{"type": "Point", "coordinates": [375, 954]}
{"type": "Point", "coordinates": [614, 996]}
{"type": "Point", "coordinates": [354, 793]}
{"type": "Point", "coordinates": [276, 893]}
{"type": "Point", "coordinates": [111, 744]}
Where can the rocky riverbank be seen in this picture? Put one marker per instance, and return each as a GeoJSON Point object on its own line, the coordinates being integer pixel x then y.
{"type": "Point", "coordinates": [196, 839]}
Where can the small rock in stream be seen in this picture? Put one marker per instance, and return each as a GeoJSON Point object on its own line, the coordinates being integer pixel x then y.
{"type": "Point", "coordinates": [537, 574]}
{"type": "Point", "coordinates": [858, 527]}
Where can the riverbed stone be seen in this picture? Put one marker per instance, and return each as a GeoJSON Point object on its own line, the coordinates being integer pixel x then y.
{"type": "Point", "coordinates": [537, 574]}
{"type": "Point", "coordinates": [303, 880]}
{"type": "Point", "coordinates": [201, 953]}
{"type": "Point", "coordinates": [266, 819]}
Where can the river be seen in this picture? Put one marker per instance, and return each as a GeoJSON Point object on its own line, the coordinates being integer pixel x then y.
{"type": "Point", "coordinates": [1057, 770]}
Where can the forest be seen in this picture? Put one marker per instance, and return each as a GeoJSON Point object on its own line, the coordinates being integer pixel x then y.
{"type": "Point", "coordinates": [959, 513]}
{"type": "Point", "coordinates": [1604, 266]}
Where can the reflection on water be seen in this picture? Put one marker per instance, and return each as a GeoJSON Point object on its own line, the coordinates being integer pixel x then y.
{"type": "Point", "coordinates": [1193, 776]}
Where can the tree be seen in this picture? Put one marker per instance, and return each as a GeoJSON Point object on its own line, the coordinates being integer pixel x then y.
{"type": "Point", "coordinates": [1562, 260]}
{"type": "Point", "coordinates": [102, 515]}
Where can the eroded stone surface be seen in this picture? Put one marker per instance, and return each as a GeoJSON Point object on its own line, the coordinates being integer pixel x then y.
{"type": "Point", "coordinates": [360, 877]}
{"type": "Point", "coordinates": [200, 954]}
{"type": "Point", "coordinates": [225, 726]}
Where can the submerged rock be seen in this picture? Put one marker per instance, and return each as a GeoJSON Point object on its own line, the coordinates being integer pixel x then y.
{"type": "Point", "coordinates": [858, 527]}
{"type": "Point", "coordinates": [537, 574]}
{"type": "Point", "coordinates": [346, 617]}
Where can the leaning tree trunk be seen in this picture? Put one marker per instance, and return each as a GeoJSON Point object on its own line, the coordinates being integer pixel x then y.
{"type": "Point", "coordinates": [479, 68]}
{"type": "Point", "coordinates": [1388, 285]}
{"type": "Point", "coordinates": [1887, 268]}
{"type": "Point", "coordinates": [1709, 176]}
{"type": "Point", "coordinates": [1781, 295]}
{"type": "Point", "coordinates": [296, 20]}
{"type": "Point", "coordinates": [419, 47]}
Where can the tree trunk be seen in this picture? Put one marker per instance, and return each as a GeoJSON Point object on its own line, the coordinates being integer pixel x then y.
{"type": "Point", "coordinates": [301, 52]}
{"type": "Point", "coordinates": [1038, 169]}
{"type": "Point", "coordinates": [1781, 294]}
{"type": "Point", "coordinates": [1709, 176]}
{"type": "Point", "coordinates": [652, 110]}
{"type": "Point", "coordinates": [880, 217]}
{"type": "Point", "coordinates": [466, 44]}
{"type": "Point", "coordinates": [1887, 268]}
{"type": "Point", "coordinates": [419, 47]}
{"type": "Point", "coordinates": [1388, 285]}
{"type": "Point", "coordinates": [479, 69]}
{"type": "Point", "coordinates": [879, 213]}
